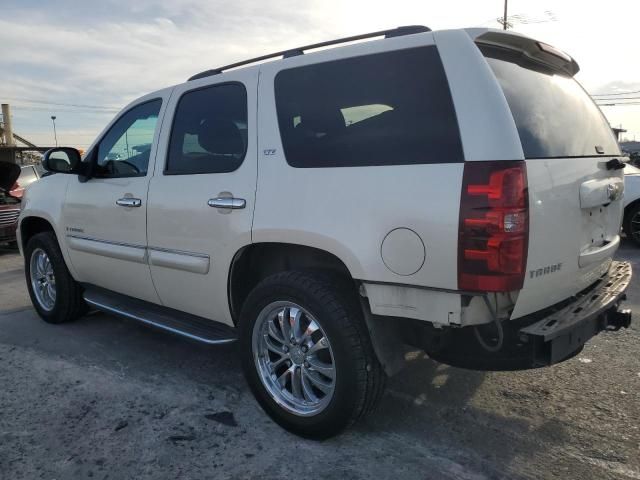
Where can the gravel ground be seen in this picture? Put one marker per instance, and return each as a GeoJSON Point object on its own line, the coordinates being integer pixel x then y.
{"type": "Point", "coordinates": [105, 398]}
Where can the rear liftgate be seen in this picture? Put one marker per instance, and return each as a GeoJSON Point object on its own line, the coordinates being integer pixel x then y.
{"type": "Point", "coordinates": [493, 238]}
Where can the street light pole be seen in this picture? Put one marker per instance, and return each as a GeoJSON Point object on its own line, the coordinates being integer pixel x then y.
{"type": "Point", "coordinates": [55, 135]}
{"type": "Point", "coordinates": [504, 18]}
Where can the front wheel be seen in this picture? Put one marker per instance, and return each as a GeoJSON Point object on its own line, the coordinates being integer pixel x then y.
{"type": "Point", "coordinates": [631, 225]}
{"type": "Point", "coordinates": [55, 295]}
{"type": "Point", "coordinates": [306, 354]}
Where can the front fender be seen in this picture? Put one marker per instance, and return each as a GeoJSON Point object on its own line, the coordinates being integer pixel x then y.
{"type": "Point", "coordinates": [44, 199]}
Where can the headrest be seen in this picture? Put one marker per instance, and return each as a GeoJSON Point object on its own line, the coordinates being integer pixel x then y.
{"type": "Point", "coordinates": [220, 136]}
{"type": "Point", "coordinates": [322, 121]}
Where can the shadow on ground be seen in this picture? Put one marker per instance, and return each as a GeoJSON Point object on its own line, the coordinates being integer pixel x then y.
{"type": "Point", "coordinates": [108, 397]}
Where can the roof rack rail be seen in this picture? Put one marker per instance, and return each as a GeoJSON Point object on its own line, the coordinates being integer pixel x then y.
{"type": "Point", "coordinates": [394, 32]}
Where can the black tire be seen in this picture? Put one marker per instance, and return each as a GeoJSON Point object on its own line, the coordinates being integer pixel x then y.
{"type": "Point", "coordinates": [632, 212]}
{"type": "Point", "coordinates": [360, 379]}
{"type": "Point", "coordinates": [69, 304]}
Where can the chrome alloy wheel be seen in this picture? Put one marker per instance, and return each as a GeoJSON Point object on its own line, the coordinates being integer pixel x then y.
{"type": "Point", "coordinates": [294, 358]}
{"type": "Point", "coordinates": [43, 281]}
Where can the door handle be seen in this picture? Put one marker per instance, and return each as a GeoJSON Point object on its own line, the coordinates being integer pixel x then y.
{"type": "Point", "coordinates": [129, 202]}
{"type": "Point", "coordinates": [229, 203]}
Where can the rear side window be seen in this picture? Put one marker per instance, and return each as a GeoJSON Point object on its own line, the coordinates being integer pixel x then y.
{"type": "Point", "coordinates": [209, 133]}
{"type": "Point", "coordinates": [390, 108]}
{"type": "Point", "coordinates": [555, 117]}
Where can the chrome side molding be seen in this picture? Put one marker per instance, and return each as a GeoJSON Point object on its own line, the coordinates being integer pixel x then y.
{"type": "Point", "coordinates": [160, 257]}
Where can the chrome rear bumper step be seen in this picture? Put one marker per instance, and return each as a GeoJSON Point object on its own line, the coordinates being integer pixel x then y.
{"type": "Point", "coordinates": [190, 326]}
{"type": "Point", "coordinates": [564, 331]}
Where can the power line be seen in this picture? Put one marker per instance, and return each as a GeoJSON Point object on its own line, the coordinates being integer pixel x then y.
{"type": "Point", "coordinates": [612, 94]}
{"type": "Point", "coordinates": [75, 105]}
{"type": "Point", "coordinates": [616, 100]}
{"type": "Point", "coordinates": [636, 97]}
{"type": "Point", "coordinates": [76, 111]}
{"type": "Point", "coordinates": [617, 104]}
{"type": "Point", "coordinates": [90, 135]}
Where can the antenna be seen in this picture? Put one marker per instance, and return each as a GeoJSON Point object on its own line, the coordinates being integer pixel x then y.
{"type": "Point", "coordinates": [509, 21]}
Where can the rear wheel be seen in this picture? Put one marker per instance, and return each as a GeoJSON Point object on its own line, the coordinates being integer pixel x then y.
{"type": "Point", "coordinates": [55, 295]}
{"type": "Point", "coordinates": [306, 354]}
{"type": "Point", "coordinates": [632, 223]}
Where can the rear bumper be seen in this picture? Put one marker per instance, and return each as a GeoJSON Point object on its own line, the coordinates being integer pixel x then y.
{"type": "Point", "coordinates": [548, 336]}
{"type": "Point", "coordinates": [564, 331]}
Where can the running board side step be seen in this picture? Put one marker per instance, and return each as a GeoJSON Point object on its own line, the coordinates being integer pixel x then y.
{"type": "Point", "coordinates": [163, 318]}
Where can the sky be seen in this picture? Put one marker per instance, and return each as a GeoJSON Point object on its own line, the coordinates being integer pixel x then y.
{"type": "Point", "coordinates": [82, 61]}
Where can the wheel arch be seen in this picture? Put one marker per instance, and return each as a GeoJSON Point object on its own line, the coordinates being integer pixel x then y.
{"type": "Point", "coordinates": [627, 212]}
{"type": "Point", "coordinates": [252, 263]}
{"type": "Point", "coordinates": [32, 225]}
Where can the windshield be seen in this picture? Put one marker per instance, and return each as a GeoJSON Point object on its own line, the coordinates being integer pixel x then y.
{"type": "Point", "coordinates": [555, 117]}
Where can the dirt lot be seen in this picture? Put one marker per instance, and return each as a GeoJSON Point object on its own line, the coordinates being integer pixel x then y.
{"type": "Point", "coordinates": [105, 398]}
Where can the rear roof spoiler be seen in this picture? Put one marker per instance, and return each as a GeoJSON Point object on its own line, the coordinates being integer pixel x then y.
{"type": "Point", "coordinates": [533, 50]}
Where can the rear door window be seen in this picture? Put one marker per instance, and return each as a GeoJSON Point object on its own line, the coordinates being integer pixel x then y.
{"type": "Point", "coordinates": [209, 132]}
{"type": "Point", "coordinates": [555, 117]}
{"type": "Point", "coordinates": [391, 108]}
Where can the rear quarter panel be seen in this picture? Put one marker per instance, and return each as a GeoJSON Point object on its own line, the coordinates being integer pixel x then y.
{"type": "Point", "coordinates": [348, 211]}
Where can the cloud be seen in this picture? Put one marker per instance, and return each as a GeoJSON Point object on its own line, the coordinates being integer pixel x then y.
{"type": "Point", "coordinates": [131, 48]}
{"type": "Point", "coordinates": [110, 52]}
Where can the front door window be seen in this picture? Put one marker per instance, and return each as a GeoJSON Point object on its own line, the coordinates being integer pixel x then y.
{"type": "Point", "coordinates": [124, 150]}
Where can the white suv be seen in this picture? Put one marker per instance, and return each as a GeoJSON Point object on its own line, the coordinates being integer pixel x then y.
{"type": "Point", "coordinates": [456, 191]}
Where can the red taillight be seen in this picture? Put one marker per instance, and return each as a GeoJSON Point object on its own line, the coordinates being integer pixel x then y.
{"type": "Point", "coordinates": [494, 226]}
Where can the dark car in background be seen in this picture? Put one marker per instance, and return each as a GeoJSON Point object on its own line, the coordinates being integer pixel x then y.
{"type": "Point", "coordinates": [13, 180]}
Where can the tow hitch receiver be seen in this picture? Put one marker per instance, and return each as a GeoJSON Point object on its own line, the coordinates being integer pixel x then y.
{"type": "Point", "coordinates": [618, 319]}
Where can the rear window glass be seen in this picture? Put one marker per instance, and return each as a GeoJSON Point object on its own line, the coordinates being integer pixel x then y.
{"type": "Point", "coordinates": [383, 109]}
{"type": "Point", "coordinates": [555, 117]}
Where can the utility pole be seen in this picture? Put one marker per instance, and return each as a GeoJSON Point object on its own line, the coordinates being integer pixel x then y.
{"type": "Point", "coordinates": [8, 128]}
{"type": "Point", "coordinates": [55, 135]}
{"type": "Point", "coordinates": [9, 153]}
{"type": "Point", "coordinates": [504, 18]}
